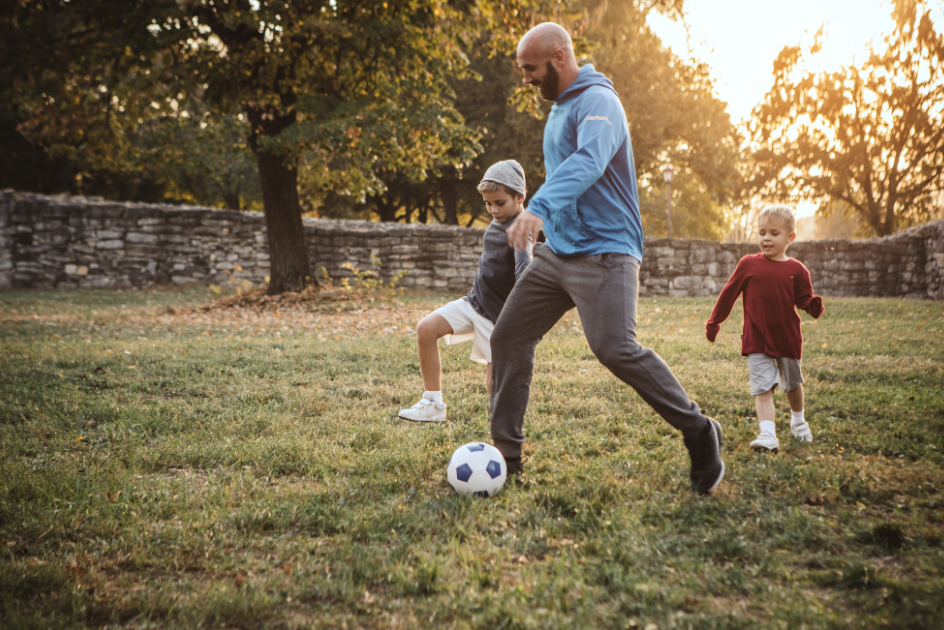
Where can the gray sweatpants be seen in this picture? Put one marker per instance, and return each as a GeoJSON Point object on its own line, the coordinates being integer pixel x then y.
{"type": "Point", "coordinates": [604, 288]}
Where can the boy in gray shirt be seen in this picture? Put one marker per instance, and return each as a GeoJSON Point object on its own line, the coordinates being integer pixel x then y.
{"type": "Point", "coordinates": [473, 316]}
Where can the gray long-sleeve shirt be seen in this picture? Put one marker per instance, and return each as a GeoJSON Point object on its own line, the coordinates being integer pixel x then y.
{"type": "Point", "coordinates": [499, 267]}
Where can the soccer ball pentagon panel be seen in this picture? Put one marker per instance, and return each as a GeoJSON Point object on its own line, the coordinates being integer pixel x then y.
{"type": "Point", "coordinates": [478, 469]}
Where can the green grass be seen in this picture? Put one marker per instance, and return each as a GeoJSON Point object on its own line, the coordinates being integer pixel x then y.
{"type": "Point", "coordinates": [162, 467]}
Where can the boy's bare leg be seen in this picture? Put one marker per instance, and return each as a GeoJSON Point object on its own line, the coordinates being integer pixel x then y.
{"type": "Point", "coordinates": [795, 396]}
{"type": "Point", "coordinates": [428, 332]}
{"type": "Point", "coordinates": [430, 408]}
{"type": "Point", "coordinates": [488, 379]}
{"type": "Point", "coordinates": [799, 428]}
{"type": "Point", "coordinates": [767, 440]}
{"type": "Point", "coordinates": [764, 404]}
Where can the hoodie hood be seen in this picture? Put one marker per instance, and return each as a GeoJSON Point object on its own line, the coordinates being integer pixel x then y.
{"type": "Point", "coordinates": [588, 77]}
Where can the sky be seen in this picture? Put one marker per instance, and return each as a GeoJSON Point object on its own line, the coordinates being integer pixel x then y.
{"type": "Point", "coordinates": [740, 39]}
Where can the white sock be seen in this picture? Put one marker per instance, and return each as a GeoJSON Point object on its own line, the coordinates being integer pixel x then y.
{"type": "Point", "coordinates": [796, 418]}
{"type": "Point", "coordinates": [768, 426]}
{"type": "Point", "coordinates": [436, 397]}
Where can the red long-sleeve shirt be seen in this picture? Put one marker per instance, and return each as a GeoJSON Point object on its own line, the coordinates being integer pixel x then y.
{"type": "Point", "coordinates": [773, 290]}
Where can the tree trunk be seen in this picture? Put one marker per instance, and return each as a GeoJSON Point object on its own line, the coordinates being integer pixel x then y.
{"type": "Point", "coordinates": [450, 199]}
{"type": "Point", "coordinates": [386, 210]}
{"type": "Point", "coordinates": [289, 268]}
{"type": "Point", "coordinates": [231, 199]}
{"type": "Point", "coordinates": [891, 220]}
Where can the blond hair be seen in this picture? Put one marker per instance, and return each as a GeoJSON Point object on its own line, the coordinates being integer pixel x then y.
{"type": "Point", "coordinates": [490, 186]}
{"type": "Point", "coordinates": [783, 214]}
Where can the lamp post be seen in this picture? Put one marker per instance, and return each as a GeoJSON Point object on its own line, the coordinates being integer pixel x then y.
{"type": "Point", "coordinates": [667, 174]}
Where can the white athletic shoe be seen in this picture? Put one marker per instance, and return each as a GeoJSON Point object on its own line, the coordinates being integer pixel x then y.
{"type": "Point", "coordinates": [425, 411]}
{"type": "Point", "coordinates": [801, 432]}
{"type": "Point", "coordinates": [766, 442]}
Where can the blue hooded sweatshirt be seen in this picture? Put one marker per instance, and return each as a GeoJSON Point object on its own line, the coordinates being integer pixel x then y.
{"type": "Point", "coordinates": [589, 202]}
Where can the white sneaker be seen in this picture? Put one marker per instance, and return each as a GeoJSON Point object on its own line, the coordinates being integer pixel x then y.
{"type": "Point", "coordinates": [766, 442]}
{"type": "Point", "coordinates": [425, 411]}
{"type": "Point", "coordinates": [801, 432]}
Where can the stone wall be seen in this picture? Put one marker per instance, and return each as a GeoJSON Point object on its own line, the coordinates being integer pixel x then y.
{"type": "Point", "coordinates": [74, 242]}
{"type": "Point", "coordinates": [69, 242]}
{"type": "Point", "coordinates": [909, 264]}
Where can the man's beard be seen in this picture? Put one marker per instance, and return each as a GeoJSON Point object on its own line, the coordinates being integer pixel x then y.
{"type": "Point", "coordinates": [549, 84]}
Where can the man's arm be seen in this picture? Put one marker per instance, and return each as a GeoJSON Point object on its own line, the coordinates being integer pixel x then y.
{"type": "Point", "coordinates": [523, 233]}
{"type": "Point", "coordinates": [600, 133]}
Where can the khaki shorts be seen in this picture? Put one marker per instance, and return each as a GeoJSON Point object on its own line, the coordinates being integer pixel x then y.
{"type": "Point", "coordinates": [767, 372]}
{"type": "Point", "coordinates": [468, 325]}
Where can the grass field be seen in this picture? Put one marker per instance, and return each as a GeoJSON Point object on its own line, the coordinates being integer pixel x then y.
{"type": "Point", "coordinates": [162, 466]}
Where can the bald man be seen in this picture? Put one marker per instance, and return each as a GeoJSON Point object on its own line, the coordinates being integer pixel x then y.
{"type": "Point", "coordinates": [589, 210]}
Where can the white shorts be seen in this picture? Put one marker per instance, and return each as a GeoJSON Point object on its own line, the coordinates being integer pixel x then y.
{"type": "Point", "coordinates": [467, 324]}
{"type": "Point", "coordinates": [767, 372]}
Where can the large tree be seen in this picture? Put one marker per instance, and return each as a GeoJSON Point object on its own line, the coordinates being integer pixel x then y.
{"type": "Point", "coordinates": [332, 87]}
{"type": "Point", "coordinates": [868, 135]}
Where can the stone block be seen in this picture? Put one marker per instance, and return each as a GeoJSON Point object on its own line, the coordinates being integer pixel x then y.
{"type": "Point", "coordinates": [686, 282]}
{"type": "Point", "coordinates": [77, 270]}
{"type": "Point", "coordinates": [669, 262]}
{"type": "Point", "coordinates": [101, 282]}
{"type": "Point", "coordinates": [142, 238]}
{"type": "Point", "coordinates": [703, 255]}
{"type": "Point", "coordinates": [660, 252]}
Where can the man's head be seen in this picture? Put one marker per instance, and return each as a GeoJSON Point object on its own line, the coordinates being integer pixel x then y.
{"type": "Point", "coordinates": [503, 188]}
{"type": "Point", "coordinates": [776, 229]}
{"type": "Point", "coordinates": [546, 55]}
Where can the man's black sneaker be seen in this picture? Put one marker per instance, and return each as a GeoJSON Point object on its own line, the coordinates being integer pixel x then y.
{"type": "Point", "coordinates": [704, 450]}
{"type": "Point", "coordinates": [514, 466]}
{"type": "Point", "coordinates": [514, 470]}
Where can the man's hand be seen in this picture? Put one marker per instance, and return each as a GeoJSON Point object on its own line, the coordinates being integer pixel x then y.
{"type": "Point", "coordinates": [524, 231]}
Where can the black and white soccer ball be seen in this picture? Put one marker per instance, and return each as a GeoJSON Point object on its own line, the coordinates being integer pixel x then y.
{"type": "Point", "coordinates": [478, 469]}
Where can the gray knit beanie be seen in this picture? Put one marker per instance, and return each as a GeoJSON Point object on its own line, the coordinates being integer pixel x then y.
{"type": "Point", "coordinates": [508, 173]}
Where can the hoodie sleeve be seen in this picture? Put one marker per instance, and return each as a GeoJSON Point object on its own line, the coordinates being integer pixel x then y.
{"type": "Point", "coordinates": [600, 133]}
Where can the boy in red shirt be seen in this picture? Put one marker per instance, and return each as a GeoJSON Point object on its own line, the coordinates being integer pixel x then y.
{"type": "Point", "coordinates": [774, 286]}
